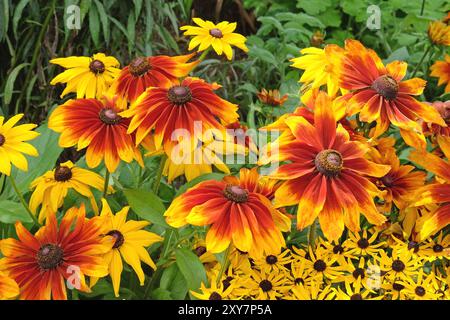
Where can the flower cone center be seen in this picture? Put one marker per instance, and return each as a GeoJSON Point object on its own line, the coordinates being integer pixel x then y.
{"type": "Point", "coordinates": [49, 256]}
{"type": "Point", "coordinates": [139, 66]}
{"type": "Point", "coordinates": [266, 285]}
{"type": "Point", "coordinates": [109, 116]}
{"type": "Point", "coordinates": [216, 33]}
{"type": "Point", "coordinates": [179, 95]}
{"type": "Point", "coordinates": [118, 238]}
{"type": "Point", "coordinates": [236, 193]}
{"type": "Point", "coordinates": [62, 173]}
{"type": "Point", "coordinates": [96, 66]}
{"type": "Point", "coordinates": [2, 140]}
{"type": "Point", "coordinates": [329, 162]}
{"type": "Point", "coordinates": [386, 86]}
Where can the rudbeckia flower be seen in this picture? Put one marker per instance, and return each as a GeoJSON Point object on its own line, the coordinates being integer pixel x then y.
{"type": "Point", "coordinates": [438, 193]}
{"type": "Point", "coordinates": [264, 285]}
{"type": "Point", "coordinates": [356, 292]}
{"type": "Point", "coordinates": [144, 72]}
{"type": "Point", "coordinates": [441, 70]}
{"type": "Point", "coordinates": [313, 291]}
{"type": "Point", "coordinates": [237, 215]}
{"type": "Point", "coordinates": [130, 242]}
{"type": "Point", "coordinates": [320, 67]}
{"type": "Point", "coordinates": [272, 97]}
{"type": "Point", "coordinates": [51, 188]}
{"type": "Point", "coordinates": [424, 287]}
{"type": "Point", "coordinates": [363, 245]}
{"type": "Point", "coordinates": [89, 77]}
{"type": "Point", "coordinates": [215, 291]}
{"type": "Point", "coordinates": [97, 126]}
{"type": "Point", "coordinates": [178, 106]}
{"type": "Point", "coordinates": [8, 287]}
{"type": "Point", "coordinates": [399, 266]}
{"type": "Point", "coordinates": [42, 263]}
{"type": "Point", "coordinates": [380, 94]}
{"type": "Point", "coordinates": [439, 33]}
{"type": "Point", "coordinates": [220, 36]}
{"type": "Point", "coordinates": [328, 174]}
{"type": "Point", "coordinates": [12, 145]}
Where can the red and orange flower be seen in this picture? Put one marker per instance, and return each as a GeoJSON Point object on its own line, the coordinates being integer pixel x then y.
{"type": "Point", "coordinates": [97, 126]}
{"type": "Point", "coordinates": [42, 263]}
{"type": "Point", "coordinates": [144, 72]}
{"type": "Point", "coordinates": [178, 105]}
{"type": "Point", "coordinates": [237, 215]}
{"type": "Point", "coordinates": [379, 94]}
{"type": "Point", "coordinates": [328, 176]}
{"type": "Point", "coordinates": [441, 70]}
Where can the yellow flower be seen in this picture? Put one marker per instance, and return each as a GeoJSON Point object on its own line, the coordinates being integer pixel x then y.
{"type": "Point", "coordinates": [264, 285]}
{"type": "Point", "coordinates": [220, 36]}
{"type": "Point", "coordinates": [51, 188]}
{"type": "Point", "coordinates": [130, 243]}
{"type": "Point", "coordinates": [439, 33]}
{"type": "Point", "coordinates": [323, 267]}
{"type": "Point", "coordinates": [220, 291]}
{"type": "Point", "coordinates": [357, 292]}
{"type": "Point", "coordinates": [278, 262]}
{"type": "Point", "coordinates": [400, 265]}
{"type": "Point", "coordinates": [362, 245]}
{"type": "Point", "coordinates": [441, 70]}
{"type": "Point", "coordinates": [314, 291]}
{"type": "Point", "coordinates": [8, 287]}
{"type": "Point", "coordinates": [12, 144]}
{"type": "Point", "coordinates": [425, 287]}
{"type": "Point", "coordinates": [89, 77]}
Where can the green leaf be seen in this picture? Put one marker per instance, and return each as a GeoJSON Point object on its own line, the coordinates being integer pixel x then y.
{"type": "Point", "coordinates": [11, 212]}
{"type": "Point", "coordinates": [191, 268]}
{"type": "Point", "coordinates": [10, 82]}
{"type": "Point", "coordinates": [131, 30]}
{"type": "Point", "coordinates": [400, 54]}
{"type": "Point", "coordinates": [263, 54]}
{"type": "Point", "coordinates": [161, 294]}
{"type": "Point", "coordinates": [205, 177]}
{"type": "Point", "coordinates": [94, 25]}
{"type": "Point", "coordinates": [104, 20]}
{"type": "Point", "coordinates": [18, 14]}
{"type": "Point", "coordinates": [173, 280]}
{"type": "Point", "coordinates": [4, 21]}
{"type": "Point", "coordinates": [314, 7]}
{"type": "Point", "coordinates": [146, 205]}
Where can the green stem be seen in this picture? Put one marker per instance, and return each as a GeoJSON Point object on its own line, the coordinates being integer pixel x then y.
{"type": "Point", "coordinates": [420, 62]}
{"type": "Point", "coordinates": [312, 235]}
{"type": "Point", "coordinates": [204, 53]}
{"type": "Point", "coordinates": [158, 177]}
{"type": "Point", "coordinates": [423, 7]}
{"type": "Point", "coordinates": [224, 264]}
{"type": "Point", "coordinates": [105, 186]}
{"type": "Point", "coordinates": [22, 200]}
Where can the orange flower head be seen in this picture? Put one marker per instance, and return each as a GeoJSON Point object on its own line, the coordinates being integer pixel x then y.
{"type": "Point", "coordinates": [441, 70]}
{"type": "Point", "coordinates": [235, 214]}
{"type": "Point", "coordinates": [272, 97]}
{"type": "Point", "coordinates": [434, 129]}
{"type": "Point", "coordinates": [379, 93]}
{"type": "Point", "coordinates": [178, 105]}
{"type": "Point", "coordinates": [42, 263]}
{"type": "Point", "coordinates": [328, 176]}
{"type": "Point", "coordinates": [97, 126]}
{"type": "Point", "coordinates": [439, 33]}
{"type": "Point", "coordinates": [144, 72]}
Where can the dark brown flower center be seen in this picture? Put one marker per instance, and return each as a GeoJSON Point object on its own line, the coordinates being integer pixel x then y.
{"type": "Point", "coordinates": [139, 66]}
{"type": "Point", "coordinates": [299, 281]}
{"type": "Point", "coordinates": [179, 95]}
{"type": "Point", "coordinates": [438, 248]}
{"type": "Point", "coordinates": [412, 245]}
{"type": "Point", "coordinates": [320, 265]}
{"type": "Point", "coordinates": [109, 116]}
{"type": "Point", "coordinates": [50, 256]}
{"type": "Point", "coordinates": [2, 140]}
{"type": "Point", "coordinates": [271, 259]}
{"type": "Point", "coordinates": [356, 296]}
{"type": "Point", "coordinates": [420, 291]}
{"type": "Point", "coordinates": [227, 282]}
{"type": "Point", "coordinates": [236, 193]}
{"type": "Point", "coordinates": [386, 86]}
{"type": "Point", "coordinates": [200, 250]}
{"type": "Point", "coordinates": [215, 296]}
{"type": "Point", "coordinates": [216, 33]}
{"type": "Point", "coordinates": [118, 238]}
{"type": "Point", "coordinates": [266, 285]}
{"type": "Point", "coordinates": [398, 265]}
{"type": "Point", "coordinates": [338, 249]}
{"type": "Point", "coordinates": [398, 287]}
{"type": "Point", "coordinates": [62, 173]}
{"type": "Point", "coordinates": [96, 66]}
{"type": "Point", "coordinates": [388, 180]}
{"type": "Point", "coordinates": [329, 162]}
{"type": "Point", "coordinates": [359, 273]}
{"type": "Point", "coordinates": [363, 243]}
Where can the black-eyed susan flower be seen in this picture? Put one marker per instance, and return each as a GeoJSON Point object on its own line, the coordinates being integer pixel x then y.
{"type": "Point", "coordinates": [328, 174]}
{"type": "Point", "coordinates": [378, 92]}
{"type": "Point", "coordinates": [41, 263]}
{"type": "Point", "coordinates": [8, 287]}
{"type": "Point", "coordinates": [300, 273]}
{"type": "Point", "coordinates": [359, 273]}
{"type": "Point", "coordinates": [270, 262]}
{"type": "Point", "coordinates": [89, 77]}
{"type": "Point", "coordinates": [218, 36]}
{"type": "Point", "coordinates": [50, 189]}
{"type": "Point", "coordinates": [13, 145]}
{"type": "Point", "coordinates": [360, 244]}
{"type": "Point", "coordinates": [436, 248]}
{"type": "Point", "coordinates": [236, 215]}
{"type": "Point", "coordinates": [144, 72]}
{"type": "Point", "coordinates": [130, 242]}
{"type": "Point", "coordinates": [262, 285]}
{"type": "Point", "coordinates": [439, 33]}
{"type": "Point", "coordinates": [441, 70]}
{"type": "Point", "coordinates": [401, 264]}
{"type": "Point", "coordinates": [215, 291]}
{"type": "Point", "coordinates": [422, 287]}
{"type": "Point", "coordinates": [338, 251]}
{"type": "Point", "coordinates": [356, 292]}
{"type": "Point", "coordinates": [96, 126]}
{"type": "Point", "coordinates": [314, 291]}
{"type": "Point", "coordinates": [322, 267]}
{"type": "Point", "coordinates": [394, 290]}
{"type": "Point", "coordinates": [179, 105]}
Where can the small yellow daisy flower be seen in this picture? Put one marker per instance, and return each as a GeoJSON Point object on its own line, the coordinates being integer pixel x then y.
{"type": "Point", "coordinates": [12, 145]}
{"type": "Point", "coordinates": [400, 265]}
{"type": "Point", "coordinates": [362, 245]}
{"type": "Point", "coordinates": [268, 285]}
{"type": "Point", "coordinates": [220, 36]}
{"type": "Point", "coordinates": [439, 33]}
{"type": "Point", "coordinates": [355, 292]}
{"type": "Point", "coordinates": [89, 77]}
{"type": "Point", "coordinates": [279, 262]}
{"type": "Point", "coordinates": [314, 291]}
{"type": "Point", "coordinates": [425, 287]}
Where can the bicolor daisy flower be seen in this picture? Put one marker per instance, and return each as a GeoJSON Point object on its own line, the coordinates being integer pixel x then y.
{"type": "Point", "coordinates": [89, 77]}
{"type": "Point", "coordinates": [130, 242]}
{"type": "Point", "coordinates": [97, 126]}
{"type": "Point", "coordinates": [42, 263]}
{"type": "Point", "coordinates": [50, 189]}
{"type": "Point", "coordinates": [8, 287]}
{"type": "Point", "coordinates": [378, 92]}
{"type": "Point", "coordinates": [328, 176]}
{"type": "Point", "coordinates": [439, 33]}
{"type": "Point", "coordinates": [155, 71]}
{"type": "Point", "coordinates": [237, 215]}
{"type": "Point", "coordinates": [218, 36]}
{"type": "Point", "coordinates": [175, 106]}
{"type": "Point", "coordinates": [13, 145]}
{"type": "Point", "coordinates": [272, 97]}
{"type": "Point", "coordinates": [441, 70]}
